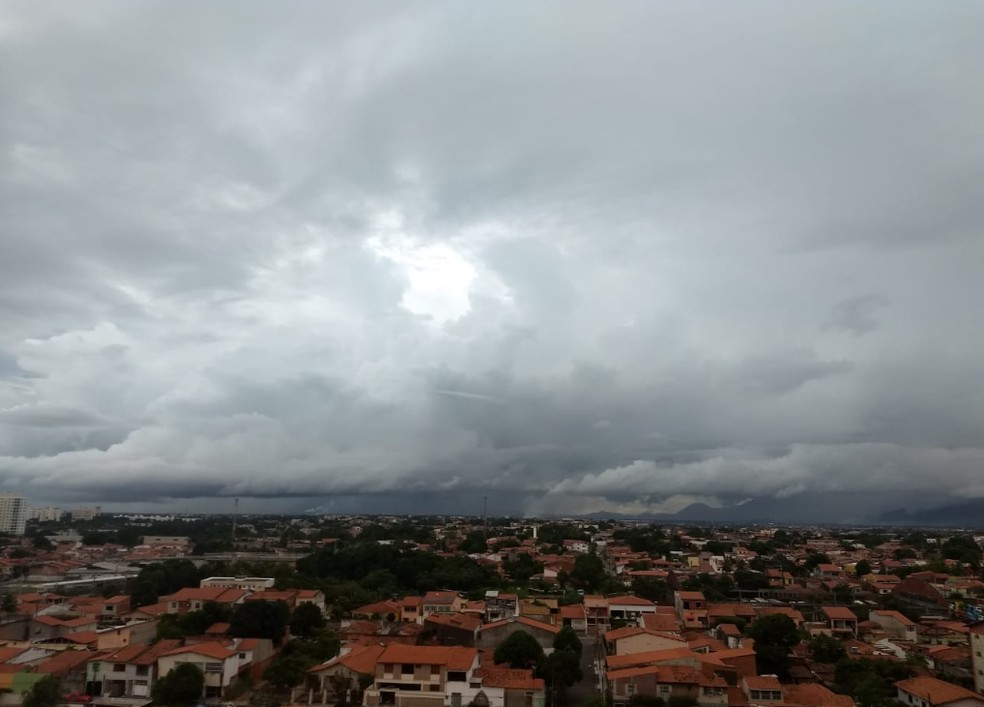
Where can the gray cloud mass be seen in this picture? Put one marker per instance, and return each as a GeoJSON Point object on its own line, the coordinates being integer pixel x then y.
{"type": "Point", "coordinates": [573, 257]}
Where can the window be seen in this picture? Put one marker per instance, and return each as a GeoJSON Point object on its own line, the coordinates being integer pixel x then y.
{"type": "Point", "coordinates": [213, 667]}
{"type": "Point", "coordinates": [456, 676]}
{"type": "Point", "coordinates": [406, 670]}
{"type": "Point", "coordinates": [242, 656]}
{"type": "Point", "coordinates": [143, 669]}
{"type": "Point", "coordinates": [630, 689]}
{"type": "Point", "coordinates": [119, 667]}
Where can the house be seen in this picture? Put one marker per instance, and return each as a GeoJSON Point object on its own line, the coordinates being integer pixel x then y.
{"type": "Point", "coordinates": [411, 609]}
{"type": "Point", "coordinates": [628, 610]}
{"type": "Point", "coordinates": [668, 682]}
{"type": "Point", "coordinates": [596, 611]}
{"type": "Point", "coordinates": [894, 624]}
{"type": "Point", "coordinates": [691, 607]}
{"type": "Point", "coordinates": [491, 635]}
{"type": "Point", "coordinates": [579, 546]}
{"type": "Point", "coordinates": [976, 635]}
{"type": "Point", "coordinates": [194, 598]}
{"type": "Point", "coordinates": [510, 688]}
{"type": "Point", "coordinates": [573, 615]}
{"type": "Point", "coordinates": [346, 672]}
{"type": "Point", "coordinates": [68, 666]}
{"type": "Point", "coordinates": [453, 629]}
{"type": "Point", "coordinates": [931, 692]}
{"type": "Point", "coordinates": [310, 596]}
{"type": "Point", "coordinates": [386, 610]}
{"type": "Point", "coordinates": [423, 676]}
{"type": "Point", "coordinates": [634, 639]}
{"type": "Point", "coordinates": [250, 584]}
{"type": "Point", "coordinates": [814, 695]}
{"type": "Point", "coordinates": [440, 603]}
{"type": "Point", "coordinates": [841, 620]}
{"type": "Point", "coordinates": [500, 605]}
{"type": "Point", "coordinates": [219, 663]}
{"type": "Point", "coordinates": [128, 673]}
{"type": "Point", "coordinates": [762, 688]}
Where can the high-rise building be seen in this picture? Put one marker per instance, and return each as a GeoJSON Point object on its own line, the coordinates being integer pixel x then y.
{"type": "Point", "coordinates": [48, 513]}
{"type": "Point", "coordinates": [13, 513]}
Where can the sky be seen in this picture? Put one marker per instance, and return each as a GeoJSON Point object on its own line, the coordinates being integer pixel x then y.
{"type": "Point", "coordinates": [573, 257]}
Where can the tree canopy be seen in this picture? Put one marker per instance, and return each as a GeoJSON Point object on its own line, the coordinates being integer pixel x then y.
{"type": "Point", "coordinates": [519, 650]}
{"type": "Point", "coordinates": [260, 619]}
{"type": "Point", "coordinates": [775, 635]}
{"type": "Point", "coordinates": [306, 620]}
{"type": "Point", "coordinates": [180, 687]}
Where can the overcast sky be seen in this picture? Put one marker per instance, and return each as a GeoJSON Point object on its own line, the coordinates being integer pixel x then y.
{"type": "Point", "coordinates": [573, 256]}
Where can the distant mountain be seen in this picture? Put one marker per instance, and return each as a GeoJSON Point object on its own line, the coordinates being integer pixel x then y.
{"type": "Point", "coordinates": [823, 508]}
{"type": "Point", "coordinates": [967, 514]}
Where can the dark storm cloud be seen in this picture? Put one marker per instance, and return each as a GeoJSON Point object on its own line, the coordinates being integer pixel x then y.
{"type": "Point", "coordinates": [569, 258]}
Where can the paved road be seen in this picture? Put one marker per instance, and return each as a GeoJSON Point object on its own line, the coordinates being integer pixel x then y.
{"type": "Point", "coordinates": [576, 694]}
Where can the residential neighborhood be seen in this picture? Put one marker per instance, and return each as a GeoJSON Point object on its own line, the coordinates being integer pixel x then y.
{"type": "Point", "coordinates": [457, 611]}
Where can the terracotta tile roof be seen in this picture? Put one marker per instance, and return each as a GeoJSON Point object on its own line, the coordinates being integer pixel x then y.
{"type": "Point", "coordinates": [454, 657]}
{"type": "Point", "coordinates": [468, 622]}
{"type": "Point", "coordinates": [901, 618]}
{"type": "Point", "coordinates": [65, 662]}
{"type": "Point", "coordinates": [839, 613]}
{"type": "Point", "coordinates": [572, 611]}
{"type": "Point", "coordinates": [937, 692]}
{"type": "Point", "coordinates": [509, 679]}
{"type": "Point", "coordinates": [814, 695]}
{"type": "Point", "coordinates": [762, 682]}
{"type": "Point", "coordinates": [211, 650]}
{"type": "Point", "coordinates": [125, 654]}
{"type": "Point", "coordinates": [361, 659]}
{"type": "Point", "coordinates": [661, 622]}
{"type": "Point", "coordinates": [218, 628]}
{"type": "Point", "coordinates": [525, 621]}
{"type": "Point", "coordinates": [84, 637]}
{"type": "Point", "coordinates": [150, 656]}
{"type": "Point", "coordinates": [629, 600]}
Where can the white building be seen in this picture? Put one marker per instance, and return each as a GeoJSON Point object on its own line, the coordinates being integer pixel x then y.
{"type": "Point", "coordinates": [89, 513]}
{"type": "Point", "coordinates": [46, 514]}
{"type": "Point", "coordinates": [13, 513]}
{"type": "Point", "coordinates": [251, 584]}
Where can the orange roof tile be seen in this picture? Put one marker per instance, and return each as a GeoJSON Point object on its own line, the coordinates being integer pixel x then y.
{"type": "Point", "coordinates": [454, 657]}
{"type": "Point", "coordinates": [937, 692]}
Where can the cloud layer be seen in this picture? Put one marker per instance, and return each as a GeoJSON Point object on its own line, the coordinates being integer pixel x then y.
{"type": "Point", "coordinates": [568, 258]}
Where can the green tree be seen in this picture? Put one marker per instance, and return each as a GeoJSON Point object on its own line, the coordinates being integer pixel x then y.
{"type": "Point", "coordinates": [46, 692]}
{"type": "Point", "coordinates": [560, 669]}
{"type": "Point", "coordinates": [567, 640]}
{"type": "Point", "coordinates": [519, 650]}
{"type": "Point", "coordinates": [287, 671]}
{"type": "Point", "coordinates": [42, 544]}
{"type": "Point", "coordinates": [306, 621]}
{"type": "Point", "coordinates": [871, 682]}
{"type": "Point", "coordinates": [651, 588]}
{"type": "Point", "coordinates": [180, 687]}
{"type": "Point", "coordinates": [522, 568]}
{"type": "Point", "coordinates": [8, 603]}
{"type": "Point", "coordinates": [588, 572]}
{"type": "Point", "coordinates": [260, 619]}
{"type": "Point", "coordinates": [827, 649]}
{"type": "Point", "coordinates": [862, 568]}
{"type": "Point", "coordinates": [775, 635]}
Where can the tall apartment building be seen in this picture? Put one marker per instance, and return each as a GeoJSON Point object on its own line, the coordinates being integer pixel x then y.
{"type": "Point", "coordinates": [13, 513]}
{"type": "Point", "coordinates": [48, 513]}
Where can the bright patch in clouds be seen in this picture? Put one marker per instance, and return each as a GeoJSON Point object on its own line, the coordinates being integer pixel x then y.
{"type": "Point", "coordinates": [439, 279]}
